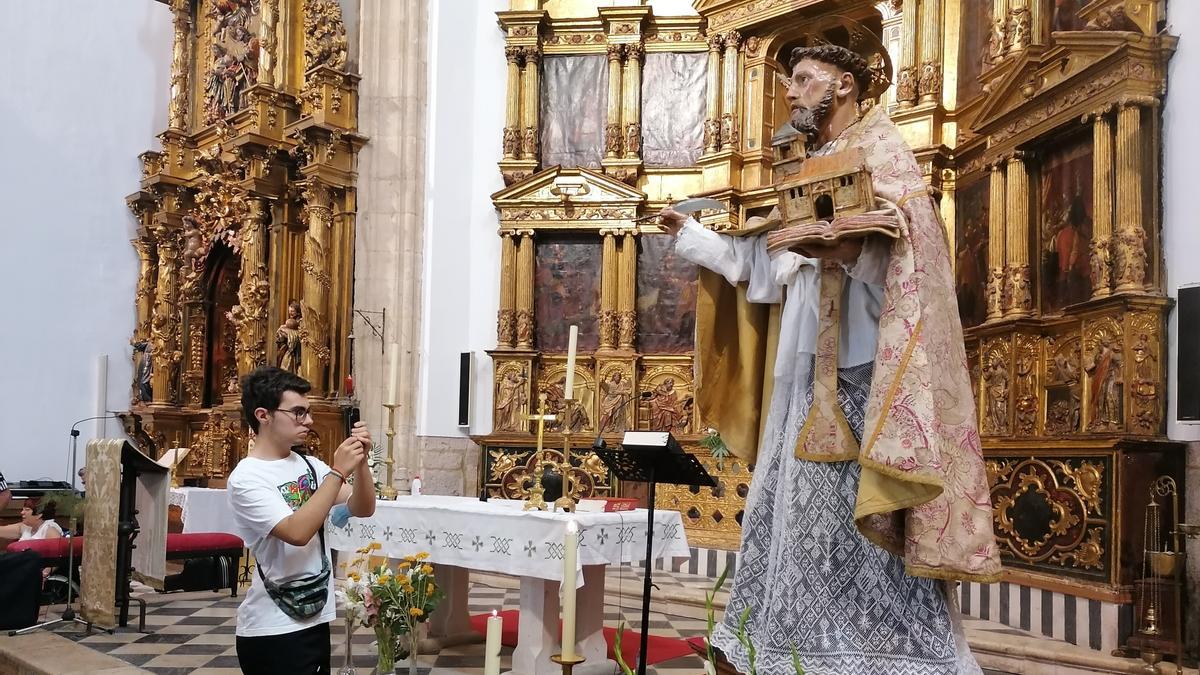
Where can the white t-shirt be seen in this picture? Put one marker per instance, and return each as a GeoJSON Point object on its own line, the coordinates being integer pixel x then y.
{"type": "Point", "coordinates": [42, 532]}
{"type": "Point", "coordinates": [261, 494]}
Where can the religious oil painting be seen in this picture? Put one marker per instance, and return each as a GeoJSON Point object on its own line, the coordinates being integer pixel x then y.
{"type": "Point", "coordinates": [1065, 208]}
{"type": "Point", "coordinates": [232, 61]}
{"type": "Point", "coordinates": [567, 280]}
{"type": "Point", "coordinates": [666, 297]}
{"type": "Point", "coordinates": [970, 251]}
{"type": "Point", "coordinates": [975, 47]}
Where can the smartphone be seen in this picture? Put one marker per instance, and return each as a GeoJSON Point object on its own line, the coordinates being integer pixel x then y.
{"type": "Point", "coordinates": [353, 415]}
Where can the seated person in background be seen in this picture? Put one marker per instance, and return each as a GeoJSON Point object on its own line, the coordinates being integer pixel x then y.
{"type": "Point", "coordinates": [5, 493]}
{"type": "Point", "coordinates": [37, 522]}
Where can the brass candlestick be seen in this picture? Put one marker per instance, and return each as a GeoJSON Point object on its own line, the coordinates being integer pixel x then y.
{"type": "Point", "coordinates": [1161, 562]}
{"type": "Point", "coordinates": [175, 462]}
{"type": "Point", "coordinates": [387, 490]}
{"type": "Point", "coordinates": [567, 664]}
{"type": "Point", "coordinates": [536, 499]}
{"type": "Point", "coordinates": [565, 502]}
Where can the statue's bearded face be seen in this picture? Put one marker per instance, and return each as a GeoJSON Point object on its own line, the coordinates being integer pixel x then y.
{"type": "Point", "coordinates": [813, 94]}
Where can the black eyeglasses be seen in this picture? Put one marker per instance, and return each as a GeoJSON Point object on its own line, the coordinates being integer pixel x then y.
{"type": "Point", "coordinates": [298, 413]}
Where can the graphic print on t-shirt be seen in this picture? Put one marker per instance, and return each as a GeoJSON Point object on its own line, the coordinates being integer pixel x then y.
{"type": "Point", "coordinates": [296, 492]}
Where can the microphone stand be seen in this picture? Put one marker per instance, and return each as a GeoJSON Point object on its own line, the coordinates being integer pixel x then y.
{"type": "Point", "coordinates": [600, 443]}
{"type": "Point", "coordinates": [75, 444]}
{"type": "Point", "coordinates": [68, 613]}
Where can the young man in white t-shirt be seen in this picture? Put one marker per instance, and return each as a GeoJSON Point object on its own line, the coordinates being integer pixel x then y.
{"type": "Point", "coordinates": [279, 509]}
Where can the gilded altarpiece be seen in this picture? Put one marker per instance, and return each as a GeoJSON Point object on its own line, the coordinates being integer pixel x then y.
{"type": "Point", "coordinates": [1058, 232]}
{"type": "Point", "coordinates": [245, 225]}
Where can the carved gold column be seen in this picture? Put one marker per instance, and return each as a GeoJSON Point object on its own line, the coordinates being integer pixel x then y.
{"type": "Point", "coordinates": [631, 100]}
{"type": "Point", "coordinates": [613, 136]}
{"type": "Point", "coordinates": [610, 265]}
{"type": "Point", "coordinates": [506, 326]}
{"type": "Point", "coordinates": [1102, 196]}
{"type": "Point", "coordinates": [267, 42]}
{"type": "Point", "coordinates": [253, 291]}
{"type": "Point", "coordinates": [998, 39]}
{"type": "Point", "coordinates": [627, 293]}
{"type": "Point", "coordinates": [1131, 169]}
{"type": "Point", "coordinates": [512, 108]}
{"type": "Point", "coordinates": [907, 76]}
{"type": "Point", "coordinates": [1018, 25]}
{"type": "Point", "coordinates": [997, 265]}
{"type": "Point", "coordinates": [929, 85]}
{"type": "Point", "coordinates": [531, 92]}
{"type": "Point", "coordinates": [144, 299]}
{"type": "Point", "coordinates": [164, 326]}
{"type": "Point", "coordinates": [712, 122]}
{"type": "Point", "coordinates": [181, 64]}
{"type": "Point", "coordinates": [729, 90]}
{"type": "Point", "coordinates": [1020, 301]}
{"type": "Point", "coordinates": [524, 299]}
{"type": "Point", "coordinates": [314, 322]}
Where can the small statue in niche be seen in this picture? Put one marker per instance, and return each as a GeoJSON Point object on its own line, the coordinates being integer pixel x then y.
{"type": "Point", "coordinates": [142, 371]}
{"type": "Point", "coordinates": [556, 404]}
{"type": "Point", "coordinates": [510, 401]}
{"type": "Point", "coordinates": [614, 394]}
{"type": "Point", "coordinates": [287, 339]}
{"type": "Point", "coordinates": [667, 411]}
{"type": "Point", "coordinates": [996, 384]}
{"type": "Point", "coordinates": [1107, 384]}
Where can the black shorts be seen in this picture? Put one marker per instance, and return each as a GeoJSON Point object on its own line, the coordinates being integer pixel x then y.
{"type": "Point", "coordinates": [305, 652]}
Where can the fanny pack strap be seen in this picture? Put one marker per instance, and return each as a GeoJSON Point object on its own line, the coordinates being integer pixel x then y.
{"type": "Point", "coordinates": [320, 533]}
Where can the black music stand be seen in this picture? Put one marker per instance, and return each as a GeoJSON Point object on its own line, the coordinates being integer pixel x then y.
{"type": "Point", "coordinates": [652, 457]}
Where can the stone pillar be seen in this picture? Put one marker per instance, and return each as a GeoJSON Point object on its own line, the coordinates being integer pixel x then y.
{"type": "Point", "coordinates": [268, 44]}
{"type": "Point", "coordinates": [614, 138]}
{"type": "Point", "coordinates": [611, 270]}
{"type": "Point", "coordinates": [712, 121]}
{"type": "Point", "coordinates": [1020, 300]}
{"type": "Point", "coordinates": [524, 300]}
{"type": "Point", "coordinates": [164, 326]}
{"type": "Point", "coordinates": [512, 103]}
{"type": "Point", "coordinates": [506, 326]}
{"type": "Point", "coordinates": [314, 301]}
{"type": "Point", "coordinates": [1130, 256]}
{"type": "Point", "coordinates": [1102, 196]}
{"type": "Point", "coordinates": [929, 85]}
{"type": "Point", "coordinates": [906, 74]}
{"type": "Point", "coordinates": [253, 291]}
{"type": "Point", "coordinates": [181, 65]}
{"type": "Point", "coordinates": [627, 293]}
{"type": "Point", "coordinates": [730, 91]}
{"type": "Point", "coordinates": [997, 265]}
{"type": "Point", "coordinates": [631, 100]}
{"type": "Point", "coordinates": [531, 95]}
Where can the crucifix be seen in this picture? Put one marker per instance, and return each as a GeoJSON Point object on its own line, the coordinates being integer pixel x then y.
{"type": "Point", "coordinates": [535, 500]}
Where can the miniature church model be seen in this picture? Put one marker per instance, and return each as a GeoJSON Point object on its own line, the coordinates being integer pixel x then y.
{"type": "Point", "coordinates": [821, 188]}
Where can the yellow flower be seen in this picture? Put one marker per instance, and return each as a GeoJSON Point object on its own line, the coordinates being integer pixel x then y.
{"type": "Point", "coordinates": [422, 555]}
{"type": "Point", "coordinates": [416, 611]}
{"type": "Point", "coordinates": [430, 589]}
{"type": "Point", "coordinates": [364, 550]}
{"type": "Point", "coordinates": [427, 569]}
{"type": "Point", "coordinates": [405, 565]}
{"type": "Point", "coordinates": [375, 546]}
{"type": "Point", "coordinates": [353, 576]}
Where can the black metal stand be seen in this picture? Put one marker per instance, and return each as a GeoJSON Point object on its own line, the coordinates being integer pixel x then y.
{"type": "Point", "coordinates": [68, 614]}
{"type": "Point", "coordinates": [652, 458]}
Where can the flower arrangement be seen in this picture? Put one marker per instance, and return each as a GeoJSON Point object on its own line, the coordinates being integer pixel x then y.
{"type": "Point", "coordinates": [393, 599]}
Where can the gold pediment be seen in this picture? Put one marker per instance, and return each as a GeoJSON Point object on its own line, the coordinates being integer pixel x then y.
{"type": "Point", "coordinates": [726, 14]}
{"type": "Point", "coordinates": [572, 198]}
{"type": "Point", "coordinates": [1082, 72]}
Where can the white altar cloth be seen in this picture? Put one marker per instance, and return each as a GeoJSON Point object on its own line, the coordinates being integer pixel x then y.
{"type": "Point", "coordinates": [203, 509]}
{"type": "Point", "coordinates": [462, 534]}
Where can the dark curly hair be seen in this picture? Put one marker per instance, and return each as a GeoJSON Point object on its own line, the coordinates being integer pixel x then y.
{"type": "Point", "coordinates": [47, 509]}
{"type": "Point", "coordinates": [264, 388]}
{"type": "Point", "coordinates": [839, 57]}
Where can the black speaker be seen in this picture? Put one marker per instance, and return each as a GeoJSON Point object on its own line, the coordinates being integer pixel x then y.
{"type": "Point", "coordinates": [465, 366]}
{"type": "Point", "coordinates": [1187, 374]}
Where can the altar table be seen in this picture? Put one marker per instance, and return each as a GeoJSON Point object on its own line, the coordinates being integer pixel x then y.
{"type": "Point", "coordinates": [203, 509]}
{"type": "Point", "coordinates": [462, 534]}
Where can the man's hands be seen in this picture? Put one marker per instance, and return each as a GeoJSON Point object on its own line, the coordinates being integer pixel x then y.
{"type": "Point", "coordinates": [671, 221]}
{"type": "Point", "coordinates": [352, 453]}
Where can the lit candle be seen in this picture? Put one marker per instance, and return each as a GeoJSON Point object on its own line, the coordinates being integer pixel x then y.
{"type": "Point", "coordinates": [569, 387]}
{"type": "Point", "coordinates": [491, 652]}
{"type": "Point", "coordinates": [395, 373]}
{"type": "Point", "coordinates": [570, 557]}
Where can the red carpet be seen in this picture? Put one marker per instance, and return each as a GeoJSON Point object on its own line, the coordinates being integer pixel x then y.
{"type": "Point", "coordinates": [658, 649]}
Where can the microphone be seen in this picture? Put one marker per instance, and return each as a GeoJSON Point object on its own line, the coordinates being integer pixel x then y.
{"type": "Point", "coordinates": [599, 443]}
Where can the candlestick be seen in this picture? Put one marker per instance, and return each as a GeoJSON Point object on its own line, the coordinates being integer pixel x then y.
{"type": "Point", "coordinates": [570, 557]}
{"type": "Point", "coordinates": [567, 664]}
{"type": "Point", "coordinates": [569, 386]}
{"type": "Point", "coordinates": [491, 652]}
{"type": "Point", "coordinates": [565, 501]}
{"type": "Point", "coordinates": [536, 499]}
{"type": "Point", "coordinates": [394, 373]}
{"type": "Point", "coordinates": [387, 490]}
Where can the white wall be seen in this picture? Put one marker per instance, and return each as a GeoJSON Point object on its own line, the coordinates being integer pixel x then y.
{"type": "Point", "coordinates": [1181, 143]}
{"type": "Point", "coordinates": [468, 77]}
{"type": "Point", "coordinates": [83, 92]}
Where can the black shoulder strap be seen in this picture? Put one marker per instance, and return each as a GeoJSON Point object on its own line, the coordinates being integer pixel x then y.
{"type": "Point", "coordinates": [320, 533]}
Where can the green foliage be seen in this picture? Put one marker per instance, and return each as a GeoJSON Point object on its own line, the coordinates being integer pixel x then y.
{"type": "Point", "coordinates": [625, 669]}
{"type": "Point", "coordinates": [715, 445]}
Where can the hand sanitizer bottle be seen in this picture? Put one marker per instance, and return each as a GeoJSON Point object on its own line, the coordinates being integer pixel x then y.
{"type": "Point", "coordinates": [416, 486]}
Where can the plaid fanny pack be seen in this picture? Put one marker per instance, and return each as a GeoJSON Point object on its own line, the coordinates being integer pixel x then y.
{"type": "Point", "coordinates": [303, 597]}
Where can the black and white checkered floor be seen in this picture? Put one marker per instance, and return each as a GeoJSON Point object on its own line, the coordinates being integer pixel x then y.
{"type": "Point", "coordinates": [194, 632]}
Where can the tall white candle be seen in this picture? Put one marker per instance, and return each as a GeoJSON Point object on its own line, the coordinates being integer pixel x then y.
{"type": "Point", "coordinates": [570, 558]}
{"type": "Point", "coordinates": [394, 373]}
{"type": "Point", "coordinates": [569, 387]}
{"type": "Point", "coordinates": [491, 652]}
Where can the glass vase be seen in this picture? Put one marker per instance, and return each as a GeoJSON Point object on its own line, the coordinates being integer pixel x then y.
{"type": "Point", "coordinates": [386, 645]}
{"type": "Point", "coordinates": [348, 659]}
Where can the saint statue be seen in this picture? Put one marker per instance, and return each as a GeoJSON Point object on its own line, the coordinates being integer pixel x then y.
{"type": "Point", "coordinates": [614, 394]}
{"type": "Point", "coordinates": [666, 410]}
{"type": "Point", "coordinates": [287, 339]}
{"type": "Point", "coordinates": [142, 371]}
{"type": "Point", "coordinates": [511, 400]}
{"type": "Point", "coordinates": [869, 487]}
